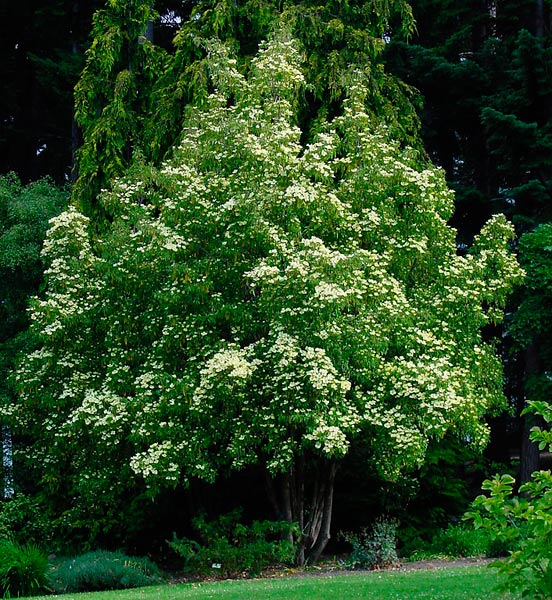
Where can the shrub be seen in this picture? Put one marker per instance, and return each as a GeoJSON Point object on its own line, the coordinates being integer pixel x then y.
{"type": "Point", "coordinates": [461, 541]}
{"type": "Point", "coordinates": [229, 547]}
{"type": "Point", "coordinates": [524, 521]}
{"type": "Point", "coordinates": [374, 548]}
{"type": "Point", "coordinates": [23, 569]}
{"type": "Point", "coordinates": [102, 570]}
{"type": "Point", "coordinates": [23, 521]}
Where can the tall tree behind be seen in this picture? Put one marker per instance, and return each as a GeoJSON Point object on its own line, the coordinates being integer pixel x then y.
{"type": "Point", "coordinates": [40, 60]}
{"type": "Point", "coordinates": [132, 95]}
{"type": "Point", "coordinates": [336, 37]}
{"type": "Point", "coordinates": [24, 215]}
{"type": "Point", "coordinates": [113, 93]}
{"type": "Point", "coordinates": [484, 69]}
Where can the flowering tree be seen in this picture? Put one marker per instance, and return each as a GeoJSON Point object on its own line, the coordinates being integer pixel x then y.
{"type": "Point", "coordinates": [260, 301]}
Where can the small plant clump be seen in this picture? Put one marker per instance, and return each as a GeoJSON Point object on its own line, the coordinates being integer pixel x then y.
{"type": "Point", "coordinates": [102, 570]}
{"type": "Point", "coordinates": [460, 541]}
{"type": "Point", "coordinates": [373, 548]}
{"type": "Point", "coordinates": [23, 569]}
{"type": "Point", "coordinates": [23, 521]}
{"type": "Point", "coordinates": [228, 547]}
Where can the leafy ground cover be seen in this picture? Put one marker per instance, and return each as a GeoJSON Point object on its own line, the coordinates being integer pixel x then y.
{"type": "Point", "coordinates": [461, 583]}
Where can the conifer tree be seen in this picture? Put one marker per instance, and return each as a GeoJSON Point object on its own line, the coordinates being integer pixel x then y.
{"type": "Point", "coordinates": [113, 94]}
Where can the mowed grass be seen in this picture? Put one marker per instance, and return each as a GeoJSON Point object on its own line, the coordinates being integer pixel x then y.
{"type": "Point", "coordinates": [460, 583]}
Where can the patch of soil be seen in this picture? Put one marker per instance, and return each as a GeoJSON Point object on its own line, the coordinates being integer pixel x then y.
{"type": "Point", "coordinates": [331, 568]}
{"type": "Point", "coordinates": [438, 563]}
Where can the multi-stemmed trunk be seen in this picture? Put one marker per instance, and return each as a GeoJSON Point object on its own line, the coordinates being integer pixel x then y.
{"type": "Point", "coordinates": [304, 495]}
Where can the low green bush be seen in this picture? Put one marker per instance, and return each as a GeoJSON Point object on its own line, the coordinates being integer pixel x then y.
{"type": "Point", "coordinates": [102, 570]}
{"type": "Point", "coordinates": [461, 541]}
{"type": "Point", "coordinates": [23, 569]}
{"type": "Point", "coordinates": [523, 522]}
{"type": "Point", "coordinates": [228, 547]}
{"type": "Point", "coordinates": [373, 548]}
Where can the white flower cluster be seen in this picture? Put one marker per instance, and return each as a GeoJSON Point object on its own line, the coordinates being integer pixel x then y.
{"type": "Point", "coordinates": [329, 441]}
{"type": "Point", "coordinates": [102, 412]}
{"type": "Point", "coordinates": [231, 361]}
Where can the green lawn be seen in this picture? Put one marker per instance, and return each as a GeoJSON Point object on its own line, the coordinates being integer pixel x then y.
{"type": "Point", "coordinates": [464, 583]}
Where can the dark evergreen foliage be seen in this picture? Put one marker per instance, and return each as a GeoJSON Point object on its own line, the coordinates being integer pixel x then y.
{"type": "Point", "coordinates": [131, 97]}
{"type": "Point", "coordinates": [41, 56]}
{"type": "Point", "coordinates": [484, 70]}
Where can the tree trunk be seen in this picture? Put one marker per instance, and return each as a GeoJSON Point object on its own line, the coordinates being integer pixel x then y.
{"type": "Point", "coordinates": [76, 139]}
{"type": "Point", "coordinates": [529, 459]}
{"type": "Point", "coordinates": [272, 497]}
{"type": "Point", "coordinates": [530, 455]}
{"type": "Point", "coordinates": [323, 536]}
{"type": "Point", "coordinates": [314, 517]}
{"type": "Point", "coordinates": [7, 461]}
{"type": "Point", "coordinates": [148, 31]}
{"type": "Point", "coordinates": [539, 19]}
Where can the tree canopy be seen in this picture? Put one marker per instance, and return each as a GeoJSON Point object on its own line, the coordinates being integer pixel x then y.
{"type": "Point", "coordinates": [24, 215]}
{"type": "Point", "coordinates": [484, 72]}
{"type": "Point", "coordinates": [259, 299]}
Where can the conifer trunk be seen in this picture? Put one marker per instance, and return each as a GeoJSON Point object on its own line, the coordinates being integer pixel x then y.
{"type": "Point", "coordinates": [529, 459]}
{"type": "Point", "coordinates": [539, 20]}
{"type": "Point", "coordinates": [7, 462]}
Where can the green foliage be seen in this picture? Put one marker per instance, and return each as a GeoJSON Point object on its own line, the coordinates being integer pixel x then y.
{"type": "Point", "coordinates": [132, 95]}
{"type": "Point", "coordinates": [439, 492]}
{"type": "Point", "coordinates": [23, 569]}
{"type": "Point", "coordinates": [102, 570]}
{"type": "Point", "coordinates": [23, 521]}
{"type": "Point", "coordinates": [336, 38]}
{"type": "Point", "coordinates": [531, 325]}
{"type": "Point", "coordinates": [258, 299]}
{"type": "Point", "coordinates": [518, 133]}
{"type": "Point", "coordinates": [486, 82]}
{"type": "Point", "coordinates": [460, 541]}
{"type": "Point", "coordinates": [228, 547]}
{"type": "Point", "coordinates": [24, 215]}
{"type": "Point", "coordinates": [113, 93]}
{"type": "Point", "coordinates": [524, 520]}
{"type": "Point", "coordinates": [373, 548]}
{"type": "Point", "coordinates": [533, 320]}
